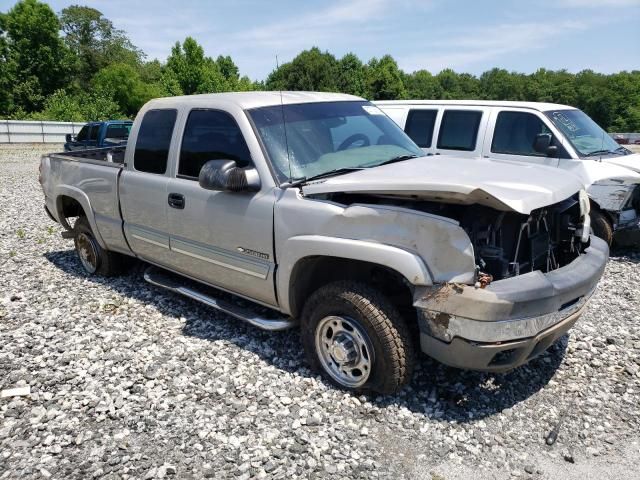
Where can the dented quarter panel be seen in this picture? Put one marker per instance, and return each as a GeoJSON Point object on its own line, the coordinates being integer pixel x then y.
{"type": "Point", "coordinates": [382, 234]}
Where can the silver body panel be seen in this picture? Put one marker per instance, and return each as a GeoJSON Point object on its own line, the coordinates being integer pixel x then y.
{"type": "Point", "coordinates": [250, 243]}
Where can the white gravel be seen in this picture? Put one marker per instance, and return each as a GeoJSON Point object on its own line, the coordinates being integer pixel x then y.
{"type": "Point", "coordinates": [126, 381]}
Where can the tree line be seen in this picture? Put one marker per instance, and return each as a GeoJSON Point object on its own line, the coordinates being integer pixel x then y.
{"type": "Point", "coordinates": [77, 66]}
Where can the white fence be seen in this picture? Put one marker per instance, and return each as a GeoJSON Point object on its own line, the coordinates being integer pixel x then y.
{"type": "Point", "coordinates": [21, 131]}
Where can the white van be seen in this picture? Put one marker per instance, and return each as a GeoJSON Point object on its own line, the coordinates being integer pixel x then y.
{"type": "Point", "coordinates": [543, 133]}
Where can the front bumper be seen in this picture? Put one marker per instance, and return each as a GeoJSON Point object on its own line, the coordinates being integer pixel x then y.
{"type": "Point", "coordinates": [510, 321]}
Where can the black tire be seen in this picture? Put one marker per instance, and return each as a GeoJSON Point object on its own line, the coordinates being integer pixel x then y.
{"type": "Point", "coordinates": [601, 226]}
{"type": "Point", "coordinates": [393, 353]}
{"type": "Point", "coordinates": [94, 259]}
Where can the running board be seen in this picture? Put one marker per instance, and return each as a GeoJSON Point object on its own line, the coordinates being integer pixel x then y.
{"type": "Point", "coordinates": [176, 284]}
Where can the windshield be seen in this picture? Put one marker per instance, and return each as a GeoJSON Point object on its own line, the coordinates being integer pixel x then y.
{"type": "Point", "coordinates": [585, 135]}
{"type": "Point", "coordinates": [323, 137]}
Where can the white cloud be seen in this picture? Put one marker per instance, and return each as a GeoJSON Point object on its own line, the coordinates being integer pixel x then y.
{"type": "Point", "coordinates": [489, 43]}
{"type": "Point", "coordinates": [596, 3]}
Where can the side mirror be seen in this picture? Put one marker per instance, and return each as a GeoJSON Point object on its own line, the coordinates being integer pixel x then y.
{"type": "Point", "coordinates": [542, 144]}
{"type": "Point", "coordinates": [68, 137]}
{"type": "Point", "coordinates": [224, 175]}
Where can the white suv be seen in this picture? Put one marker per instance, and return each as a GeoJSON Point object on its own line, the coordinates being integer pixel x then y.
{"type": "Point", "coordinates": [542, 133]}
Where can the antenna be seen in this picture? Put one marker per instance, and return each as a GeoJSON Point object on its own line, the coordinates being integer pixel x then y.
{"type": "Point", "coordinates": [284, 124]}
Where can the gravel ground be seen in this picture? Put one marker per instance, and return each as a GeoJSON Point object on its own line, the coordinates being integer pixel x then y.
{"type": "Point", "coordinates": [127, 381]}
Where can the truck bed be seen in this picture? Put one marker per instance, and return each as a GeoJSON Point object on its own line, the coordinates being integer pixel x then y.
{"type": "Point", "coordinates": [90, 177]}
{"type": "Point", "coordinates": [109, 155]}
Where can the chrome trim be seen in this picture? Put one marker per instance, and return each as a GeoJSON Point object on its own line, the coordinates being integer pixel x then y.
{"type": "Point", "coordinates": [500, 331]}
{"type": "Point", "coordinates": [157, 278]}
{"type": "Point", "coordinates": [148, 240]}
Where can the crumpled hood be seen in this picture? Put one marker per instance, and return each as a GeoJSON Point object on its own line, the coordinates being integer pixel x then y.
{"type": "Point", "coordinates": [502, 185]}
{"type": "Point", "coordinates": [629, 161]}
{"type": "Point", "coordinates": [595, 171]}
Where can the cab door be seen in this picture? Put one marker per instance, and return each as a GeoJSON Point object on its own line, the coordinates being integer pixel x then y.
{"type": "Point", "coordinates": [222, 238]}
{"type": "Point", "coordinates": [511, 136]}
{"type": "Point", "coordinates": [143, 186]}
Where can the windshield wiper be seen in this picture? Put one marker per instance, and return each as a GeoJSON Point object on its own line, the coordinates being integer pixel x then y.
{"type": "Point", "coordinates": [330, 173]}
{"type": "Point", "coordinates": [399, 158]}
{"type": "Point", "coordinates": [603, 152]}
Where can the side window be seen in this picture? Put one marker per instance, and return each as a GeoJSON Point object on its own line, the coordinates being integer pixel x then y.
{"type": "Point", "coordinates": [154, 139]}
{"type": "Point", "coordinates": [83, 134]}
{"type": "Point", "coordinates": [459, 130]}
{"type": "Point", "coordinates": [420, 125]}
{"type": "Point", "coordinates": [515, 133]}
{"type": "Point", "coordinates": [211, 135]}
{"type": "Point", "coordinates": [93, 133]}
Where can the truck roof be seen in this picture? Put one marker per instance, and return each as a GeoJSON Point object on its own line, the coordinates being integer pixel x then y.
{"type": "Point", "coordinates": [109, 122]}
{"type": "Point", "coordinates": [540, 106]}
{"type": "Point", "coordinates": [248, 100]}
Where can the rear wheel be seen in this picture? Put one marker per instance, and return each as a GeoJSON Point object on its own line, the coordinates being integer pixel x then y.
{"type": "Point", "coordinates": [356, 338]}
{"type": "Point", "coordinates": [601, 226]}
{"type": "Point", "coordinates": [94, 259]}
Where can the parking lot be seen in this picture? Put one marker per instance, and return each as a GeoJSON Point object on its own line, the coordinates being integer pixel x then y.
{"type": "Point", "coordinates": [127, 381]}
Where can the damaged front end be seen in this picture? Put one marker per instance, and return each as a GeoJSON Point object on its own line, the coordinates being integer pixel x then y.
{"type": "Point", "coordinates": [535, 275]}
{"type": "Point", "coordinates": [507, 244]}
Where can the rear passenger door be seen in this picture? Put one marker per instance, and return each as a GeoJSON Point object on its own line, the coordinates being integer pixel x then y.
{"type": "Point", "coordinates": [511, 136]}
{"type": "Point", "coordinates": [420, 126]}
{"type": "Point", "coordinates": [461, 131]}
{"type": "Point", "coordinates": [143, 186]}
{"type": "Point", "coordinates": [218, 237]}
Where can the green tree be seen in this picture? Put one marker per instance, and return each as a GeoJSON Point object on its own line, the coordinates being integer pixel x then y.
{"type": "Point", "coordinates": [64, 107]}
{"type": "Point", "coordinates": [499, 84]}
{"type": "Point", "coordinates": [37, 53]}
{"type": "Point", "coordinates": [351, 76]}
{"type": "Point", "coordinates": [384, 79]}
{"type": "Point", "coordinates": [310, 70]}
{"type": "Point", "coordinates": [123, 84]}
{"type": "Point", "coordinates": [7, 72]}
{"type": "Point", "coordinates": [95, 42]}
{"type": "Point", "coordinates": [194, 72]}
{"type": "Point", "coordinates": [423, 85]}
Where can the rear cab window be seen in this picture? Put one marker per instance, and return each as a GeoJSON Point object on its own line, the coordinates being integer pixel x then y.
{"type": "Point", "coordinates": [459, 130]}
{"type": "Point", "coordinates": [211, 135]}
{"type": "Point", "coordinates": [154, 139]}
{"type": "Point", "coordinates": [419, 126]}
{"type": "Point", "coordinates": [121, 130]}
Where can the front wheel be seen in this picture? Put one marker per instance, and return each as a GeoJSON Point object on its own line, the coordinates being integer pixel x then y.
{"type": "Point", "coordinates": [357, 338]}
{"type": "Point", "coordinates": [601, 226]}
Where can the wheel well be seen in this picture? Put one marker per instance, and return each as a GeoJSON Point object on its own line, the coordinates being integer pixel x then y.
{"type": "Point", "coordinates": [69, 207]}
{"type": "Point", "coordinates": [596, 208]}
{"type": "Point", "coordinates": [311, 273]}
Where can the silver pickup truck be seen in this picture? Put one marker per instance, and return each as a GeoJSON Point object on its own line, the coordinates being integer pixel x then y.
{"type": "Point", "coordinates": [316, 209]}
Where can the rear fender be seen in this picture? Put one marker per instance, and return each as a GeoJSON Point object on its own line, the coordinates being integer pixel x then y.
{"type": "Point", "coordinates": [82, 198]}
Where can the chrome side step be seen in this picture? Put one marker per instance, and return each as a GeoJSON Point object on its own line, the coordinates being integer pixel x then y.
{"type": "Point", "coordinates": [176, 284]}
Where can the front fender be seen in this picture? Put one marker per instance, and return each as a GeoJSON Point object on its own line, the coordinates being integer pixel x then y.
{"type": "Point", "coordinates": [295, 249]}
{"type": "Point", "coordinates": [82, 198]}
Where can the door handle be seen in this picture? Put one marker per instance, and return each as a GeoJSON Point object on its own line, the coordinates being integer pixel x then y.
{"type": "Point", "coordinates": [176, 200]}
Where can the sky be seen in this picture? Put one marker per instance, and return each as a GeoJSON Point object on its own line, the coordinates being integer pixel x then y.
{"type": "Point", "coordinates": [466, 35]}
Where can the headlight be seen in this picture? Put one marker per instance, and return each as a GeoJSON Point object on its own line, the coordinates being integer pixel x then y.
{"type": "Point", "coordinates": [585, 204]}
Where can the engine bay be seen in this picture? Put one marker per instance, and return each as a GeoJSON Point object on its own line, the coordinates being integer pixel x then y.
{"type": "Point", "coordinates": [506, 244]}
